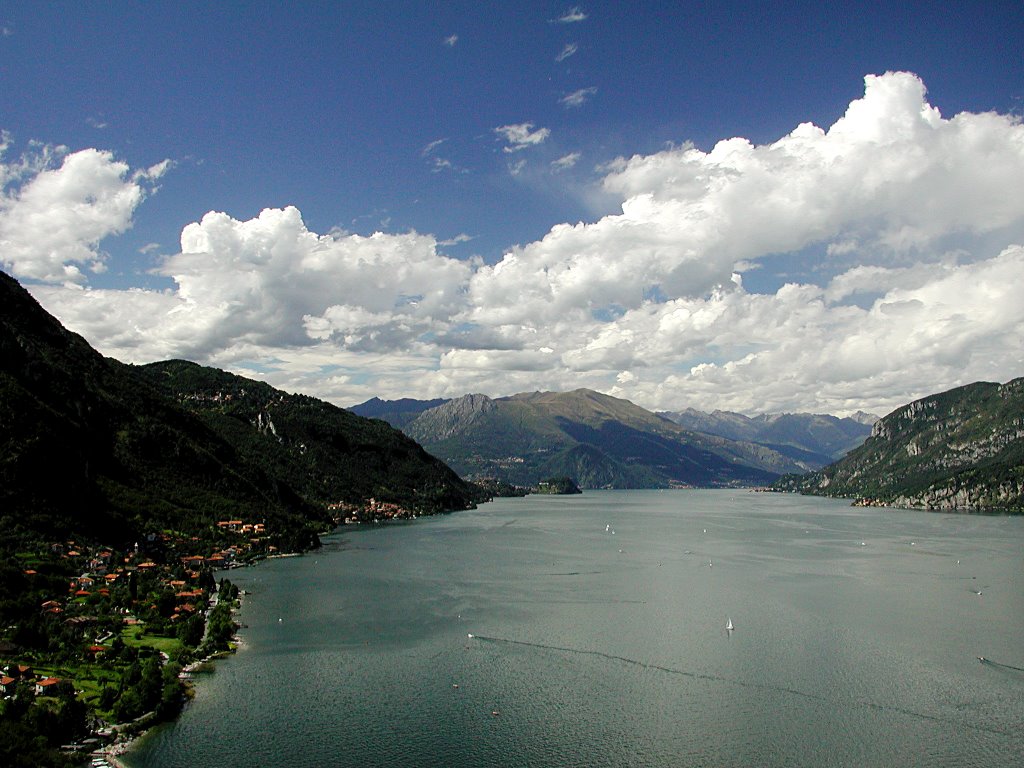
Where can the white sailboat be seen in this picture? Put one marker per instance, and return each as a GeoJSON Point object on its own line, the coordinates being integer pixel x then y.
{"type": "Point", "coordinates": [728, 625]}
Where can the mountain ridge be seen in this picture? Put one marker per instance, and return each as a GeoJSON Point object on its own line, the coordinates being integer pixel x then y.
{"type": "Point", "coordinates": [816, 438]}
{"type": "Point", "coordinates": [599, 440]}
{"type": "Point", "coordinates": [962, 449]}
{"type": "Point", "coordinates": [94, 447]}
{"type": "Point", "coordinates": [493, 444]}
{"type": "Point", "coordinates": [810, 440]}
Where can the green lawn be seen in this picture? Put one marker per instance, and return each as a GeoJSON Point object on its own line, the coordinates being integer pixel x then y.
{"type": "Point", "coordinates": [90, 679]}
{"type": "Point", "coordinates": [168, 645]}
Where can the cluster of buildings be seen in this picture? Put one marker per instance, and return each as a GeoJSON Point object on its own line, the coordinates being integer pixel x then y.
{"type": "Point", "coordinates": [216, 397]}
{"type": "Point", "coordinates": [371, 511]}
{"type": "Point", "coordinates": [102, 568]}
{"type": "Point", "coordinates": [15, 674]}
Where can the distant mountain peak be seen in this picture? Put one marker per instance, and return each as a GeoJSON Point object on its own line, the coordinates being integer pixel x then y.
{"type": "Point", "coordinates": [597, 439]}
{"type": "Point", "coordinates": [812, 439]}
{"type": "Point", "coordinates": [864, 418]}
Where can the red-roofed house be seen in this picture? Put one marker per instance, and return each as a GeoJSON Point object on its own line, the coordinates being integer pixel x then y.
{"type": "Point", "coordinates": [96, 650]}
{"type": "Point", "coordinates": [47, 686]}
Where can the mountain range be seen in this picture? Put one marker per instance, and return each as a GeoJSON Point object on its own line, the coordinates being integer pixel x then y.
{"type": "Point", "coordinates": [97, 448]}
{"type": "Point", "coordinates": [962, 449]}
{"type": "Point", "coordinates": [94, 447]}
{"type": "Point", "coordinates": [598, 440]}
{"type": "Point", "coordinates": [813, 439]}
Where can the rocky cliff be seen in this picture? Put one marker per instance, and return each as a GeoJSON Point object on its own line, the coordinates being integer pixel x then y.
{"type": "Point", "coordinates": [957, 450]}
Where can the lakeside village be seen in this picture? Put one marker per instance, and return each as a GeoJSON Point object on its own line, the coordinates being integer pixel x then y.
{"type": "Point", "coordinates": [101, 644]}
{"type": "Point", "coordinates": [104, 642]}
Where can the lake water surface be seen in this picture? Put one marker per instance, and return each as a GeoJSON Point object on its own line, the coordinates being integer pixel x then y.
{"type": "Point", "coordinates": [599, 639]}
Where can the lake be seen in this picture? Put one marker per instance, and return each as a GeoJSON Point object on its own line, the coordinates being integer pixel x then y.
{"type": "Point", "coordinates": [599, 639]}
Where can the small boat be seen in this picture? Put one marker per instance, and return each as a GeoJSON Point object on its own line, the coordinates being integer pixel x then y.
{"type": "Point", "coordinates": [728, 625]}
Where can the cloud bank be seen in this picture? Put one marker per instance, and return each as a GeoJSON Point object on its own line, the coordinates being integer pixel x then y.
{"type": "Point", "coordinates": [890, 242]}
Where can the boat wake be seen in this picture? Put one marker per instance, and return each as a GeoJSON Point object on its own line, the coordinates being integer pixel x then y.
{"type": "Point", "coordinates": [760, 686]}
{"type": "Point", "coordinates": [991, 663]}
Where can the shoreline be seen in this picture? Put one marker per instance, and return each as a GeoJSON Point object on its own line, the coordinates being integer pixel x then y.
{"type": "Point", "coordinates": [123, 743]}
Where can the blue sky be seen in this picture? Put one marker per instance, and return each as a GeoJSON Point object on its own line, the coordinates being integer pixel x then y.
{"type": "Point", "coordinates": [479, 134]}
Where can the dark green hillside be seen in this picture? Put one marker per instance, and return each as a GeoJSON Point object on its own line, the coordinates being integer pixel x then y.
{"type": "Point", "coordinates": [95, 448]}
{"type": "Point", "coordinates": [557, 486]}
{"type": "Point", "coordinates": [325, 453]}
{"type": "Point", "coordinates": [961, 449]}
{"type": "Point", "coordinates": [89, 448]}
{"type": "Point", "coordinates": [593, 468]}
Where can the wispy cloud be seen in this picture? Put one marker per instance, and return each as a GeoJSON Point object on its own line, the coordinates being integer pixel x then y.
{"type": "Point", "coordinates": [521, 136]}
{"type": "Point", "coordinates": [578, 98]}
{"type": "Point", "coordinates": [566, 161]}
{"type": "Point", "coordinates": [149, 248]}
{"type": "Point", "coordinates": [462, 237]}
{"type": "Point", "coordinates": [95, 122]}
{"type": "Point", "coordinates": [451, 40]}
{"type": "Point", "coordinates": [442, 164]}
{"type": "Point", "coordinates": [429, 148]}
{"type": "Point", "coordinates": [571, 16]}
{"type": "Point", "coordinates": [569, 50]}
{"type": "Point", "coordinates": [438, 163]}
{"type": "Point", "coordinates": [517, 167]}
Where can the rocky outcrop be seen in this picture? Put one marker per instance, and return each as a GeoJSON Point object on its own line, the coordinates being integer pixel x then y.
{"type": "Point", "coordinates": [957, 450]}
{"type": "Point", "coordinates": [451, 418]}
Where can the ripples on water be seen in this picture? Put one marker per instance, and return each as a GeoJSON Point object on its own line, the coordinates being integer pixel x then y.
{"type": "Point", "coordinates": [856, 641]}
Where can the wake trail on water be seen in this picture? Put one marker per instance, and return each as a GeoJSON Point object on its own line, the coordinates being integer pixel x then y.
{"type": "Point", "coordinates": [756, 686]}
{"type": "Point", "coordinates": [1001, 665]}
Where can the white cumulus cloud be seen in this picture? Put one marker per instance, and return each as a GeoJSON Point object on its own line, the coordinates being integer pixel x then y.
{"type": "Point", "coordinates": [53, 217]}
{"type": "Point", "coordinates": [902, 232]}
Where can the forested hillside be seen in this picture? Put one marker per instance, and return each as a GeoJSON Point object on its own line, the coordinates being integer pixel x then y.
{"type": "Point", "coordinates": [960, 450]}
{"type": "Point", "coordinates": [96, 448]}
